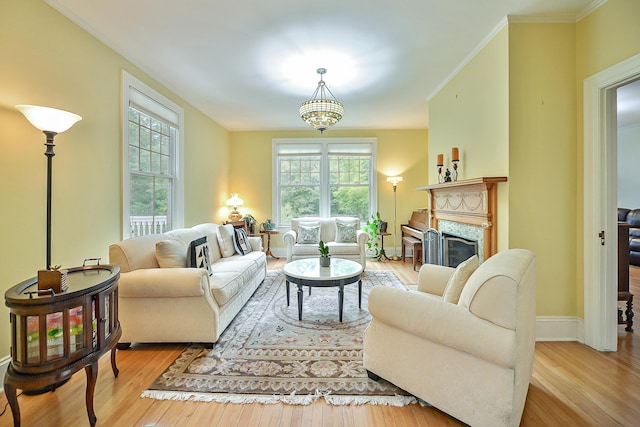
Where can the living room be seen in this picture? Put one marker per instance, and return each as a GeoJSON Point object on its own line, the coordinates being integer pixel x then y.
{"type": "Point", "coordinates": [520, 98]}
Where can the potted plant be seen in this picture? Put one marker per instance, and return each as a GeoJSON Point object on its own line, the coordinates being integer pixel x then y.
{"type": "Point", "coordinates": [325, 258]}
{"type": "Point", "coordinates": [251, 223]}
{"type": "Point", "coordinates": [374, 227]}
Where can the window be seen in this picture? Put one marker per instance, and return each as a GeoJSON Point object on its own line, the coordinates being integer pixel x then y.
{"type": "Point", "coordinates": [331, 177]}
{"type": "Point", "coordinates": [152, 181]}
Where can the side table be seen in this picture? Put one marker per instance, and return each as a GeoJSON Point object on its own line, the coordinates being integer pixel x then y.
{"type": "Point", "coordinates": [383, 256]}
{"type": "Point", "coordinates": [269, 233]}
{"type": "Point", "coordinates": [55, 335]}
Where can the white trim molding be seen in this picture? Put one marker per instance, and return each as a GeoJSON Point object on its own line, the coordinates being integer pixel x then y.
{"type": "Point", "coordinates": [559, 328]}
{"type": "Point", "coordinates": [600, 202]}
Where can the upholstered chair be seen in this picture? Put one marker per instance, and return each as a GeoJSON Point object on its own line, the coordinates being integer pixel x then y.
{"type": "Point", "coordinates": [471, 356]}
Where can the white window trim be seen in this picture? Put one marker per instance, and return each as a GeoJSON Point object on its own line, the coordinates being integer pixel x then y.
{"type": "Point", "coordinates": [130, 83]}
{"type": "Point", "coordinates": [276, 143]}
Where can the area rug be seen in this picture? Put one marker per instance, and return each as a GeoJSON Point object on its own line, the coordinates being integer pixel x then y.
{"type": "Point", "coordinates": [267, 355]}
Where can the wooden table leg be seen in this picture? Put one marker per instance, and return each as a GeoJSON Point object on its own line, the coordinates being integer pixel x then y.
{"type": "Point", "coordinates": [10, 392]}
{"type": "Point", "coordinates": [300, 296]}
{"type": "Point", "coordinates": [287, 283]}
{"type": "Point", "coordinates": [629, 313]}
{"type": "Point", "coordinates": [340, 300]}
{"type": "Point", "coordinates": [92, 375]}
{"type": "Point", "coordinates": [359, 293]}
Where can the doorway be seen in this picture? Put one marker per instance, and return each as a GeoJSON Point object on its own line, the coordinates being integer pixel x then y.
{"type": "Point", "coordinates": [600, 202]}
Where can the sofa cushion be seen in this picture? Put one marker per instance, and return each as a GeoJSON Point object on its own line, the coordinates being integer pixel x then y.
{"type": "Point", "coordinates": [241, 242]}
{"type": "Point", "coordinates": [225, 285]}
{"type": "Point", "coordinates": [633, 218]}
{"type": "Point", "coordinates": [211, 231]}
{"type": "Point", "coordinates": [622, 214]}
{"type": "Point", "coordinates": [171, 253]}
{"type": "Point", "coordinates": [308, 234]}
{"type": "Point", "coordinates": [199, 254]}
{"type": "Point", "coordinates": [346, 231]}
{"type": "Point", "coordinates": [341, 248]}
{"type": "Point", "coordinates": [460, 276]}
{"type": "Point", "coordinates": [225, 236]}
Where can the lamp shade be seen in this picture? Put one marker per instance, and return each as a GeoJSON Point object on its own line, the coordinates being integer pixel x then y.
{"type": "Point", "coordinates": [49, 119]}
{"type": "Point", "coordinates": [235, 201]}
{"type": "Point", "coordinates": [394, 180]}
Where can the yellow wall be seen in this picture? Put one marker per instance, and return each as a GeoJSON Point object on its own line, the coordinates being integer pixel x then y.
{"type": "Point", "coordinates": [605, 38]}
{"type": "Point", "coordinates": [542, 157]}
{"type": "Point", "coordinates": [547, 64]}
{"type": "Point", "coordinates": [400, 152]}
{"type": "Point", "coordinates": [472, 113]}
{"type": "Point", "coordinates": [48, 60]}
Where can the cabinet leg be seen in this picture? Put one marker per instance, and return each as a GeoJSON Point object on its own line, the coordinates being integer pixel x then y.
{"type": "Point", "coordinates": [92, 375]}
{"type": "Point", "coordinates": [113, 362]}
{"type": "Point", "coordinates": [10, 392]}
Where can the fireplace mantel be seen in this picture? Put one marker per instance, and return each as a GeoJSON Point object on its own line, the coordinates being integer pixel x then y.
{"type": "Point", "coordinates": [472, 202]}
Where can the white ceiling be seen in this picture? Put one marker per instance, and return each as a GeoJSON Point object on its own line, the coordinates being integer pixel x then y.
{"type": "Point", "coordinates": [249, 64]}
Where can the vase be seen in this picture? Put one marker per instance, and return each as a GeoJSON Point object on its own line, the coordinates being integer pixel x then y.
{"type": "Point", "coordinates": [325, 261]}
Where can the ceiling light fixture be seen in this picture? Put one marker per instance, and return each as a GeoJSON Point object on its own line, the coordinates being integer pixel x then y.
{"type": "Point", "coordinates": [320, 112]}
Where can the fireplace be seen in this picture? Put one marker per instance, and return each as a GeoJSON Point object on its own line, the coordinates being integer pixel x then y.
{"type": "Point", "coordinates": [457, 249]}
{"type": "Point", "coordinates": [467, 208]}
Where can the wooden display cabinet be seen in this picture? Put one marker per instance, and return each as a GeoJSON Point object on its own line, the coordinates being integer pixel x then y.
{"type": "Point", "coordinates": [55, 335]}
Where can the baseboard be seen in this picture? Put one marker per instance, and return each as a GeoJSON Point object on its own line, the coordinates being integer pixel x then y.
{"type": "Point", "coordinates": [559, 328]}
{"type": "Point", "coordinates": [4, 365]}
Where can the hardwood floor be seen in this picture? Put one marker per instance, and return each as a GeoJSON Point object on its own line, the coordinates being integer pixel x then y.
{"type": "Point", "coordinates": [572, 385]}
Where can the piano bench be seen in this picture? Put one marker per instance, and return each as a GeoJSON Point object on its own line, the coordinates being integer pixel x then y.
{"type": "Point", "coordinates": [416, 245]}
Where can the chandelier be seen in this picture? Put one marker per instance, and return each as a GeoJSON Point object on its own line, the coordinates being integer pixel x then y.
{"type": "Point", "coordinates": [320, 112]}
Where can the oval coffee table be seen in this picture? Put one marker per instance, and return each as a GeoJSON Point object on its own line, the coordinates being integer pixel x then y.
{"type": "Point", "coordinates": [307, 272]}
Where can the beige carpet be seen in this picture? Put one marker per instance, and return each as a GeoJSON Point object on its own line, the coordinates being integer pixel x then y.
{"type": "Point", "coordinates": [267, 355]}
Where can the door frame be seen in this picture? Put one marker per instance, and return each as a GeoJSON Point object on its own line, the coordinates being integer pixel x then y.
{"type": "Point", "coordinates": [600, 203]}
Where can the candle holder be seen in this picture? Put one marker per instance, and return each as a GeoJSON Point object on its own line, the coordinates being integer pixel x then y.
{"type": "Point", "coordinates": [440, 178]}
{"type": "Point", "coordinates": [454, 174]}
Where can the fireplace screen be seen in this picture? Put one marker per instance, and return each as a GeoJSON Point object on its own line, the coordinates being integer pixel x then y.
{"type": "Point", "coordinates": [432, 247]}
{"type": "Point", "coordinates": [457, 249]}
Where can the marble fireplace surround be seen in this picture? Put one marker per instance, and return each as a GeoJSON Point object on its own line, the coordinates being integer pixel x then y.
{"type": "Point", "coordinates": [467, 208]}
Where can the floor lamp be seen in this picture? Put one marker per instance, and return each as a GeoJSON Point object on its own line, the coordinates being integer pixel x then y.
{"type": "Point", "coordinates": [394, 180]}
{"type": "Point", "coordinates": [51, 122]}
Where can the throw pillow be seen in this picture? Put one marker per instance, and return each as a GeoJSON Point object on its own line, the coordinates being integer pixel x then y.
{"type": "Point", "coordinates": [309, 234]}
{"type": "Point", "coordinates": [241, 242]}
{"type": "Point", "coordinates": [346, 231]}
{"type": "Point", "coordinates": [225, 240]}
{"type": "Point", "coordinates": [199, 254]}
{"type": "Point", "coordinates": [171, 253]}
{"type": "Point", "coordinates": [458, 279]}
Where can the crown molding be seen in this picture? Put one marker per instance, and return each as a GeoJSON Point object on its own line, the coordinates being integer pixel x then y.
{"type": "Point", "coordinates": [517, 19]}
{"type": "Point", "coordinates": [595, 4]}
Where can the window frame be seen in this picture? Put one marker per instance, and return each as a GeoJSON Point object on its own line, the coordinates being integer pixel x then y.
{"type": "Point", "coordinates": [325, 148]}
{"type": "Point", "coordinates": [137, 94]}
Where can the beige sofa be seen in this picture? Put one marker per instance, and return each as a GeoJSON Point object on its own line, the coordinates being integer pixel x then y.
{"type": "Point", "coordinates": [182, 304]}
{"type": "Point", "coordinates": [354, 250]}
{"type": "Point", "coordinates": [472, 360]}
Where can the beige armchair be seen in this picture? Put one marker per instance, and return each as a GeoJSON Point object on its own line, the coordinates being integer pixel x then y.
{"type": "Point", "coordinates": [471, 359]}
